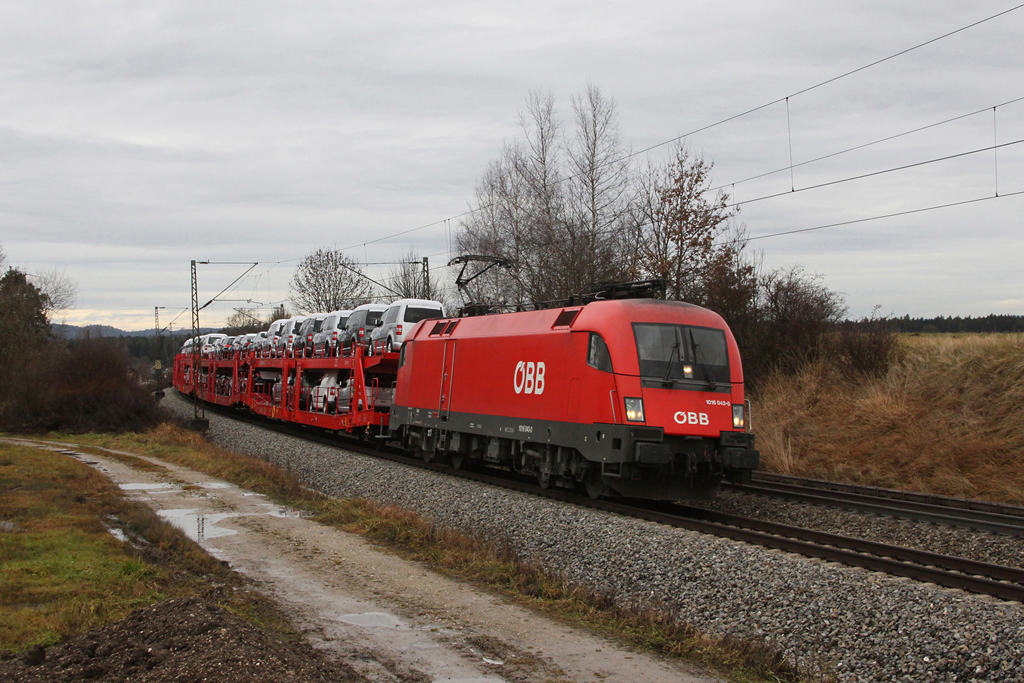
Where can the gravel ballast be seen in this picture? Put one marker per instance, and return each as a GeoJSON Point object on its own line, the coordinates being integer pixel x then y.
{"type": "Point", "coordinates": [945, 540]}
{"type": "Point", "coordinates": [864, 625]}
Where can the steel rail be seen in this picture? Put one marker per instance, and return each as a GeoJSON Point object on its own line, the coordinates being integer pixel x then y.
{"type": "Point", "coordinates": [920, 557]}
{"type": "Point", "coordinates": [1009, 525]}
{"type": "Point", "coordinates": [926, 567]}
{"type": "Point", "coordinates": [957, 503]}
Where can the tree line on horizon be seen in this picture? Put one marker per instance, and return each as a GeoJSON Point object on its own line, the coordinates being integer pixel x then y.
{"type": "Point", "coordinates": [944, 324]}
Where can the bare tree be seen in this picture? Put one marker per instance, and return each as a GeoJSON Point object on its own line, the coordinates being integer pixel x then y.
{"type": "Point", "coordinates": [540, 166]}
{"type": "Point", "coordinates": [245, 321]}
{"type": "Point", "coordinates": [503, 226]}
{"type": "Point", "coordinates": [598, 194]}
{"type": "Point", "coordinates": [407, 281]}
{"type": "Point", "coordinates": [328, 280]}
{"type": "Point", "coordinates": [557, 209]}
{"type": "Point", "coordinates": [678, 226]}
{"type": "Point", "coordinates": [60, 290]}
{"type": "Point", "coordinates": [280, 312]}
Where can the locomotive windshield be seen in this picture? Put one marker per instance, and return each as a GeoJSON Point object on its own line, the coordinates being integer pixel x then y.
{"type": "Point", "coordinates": [672, 353]}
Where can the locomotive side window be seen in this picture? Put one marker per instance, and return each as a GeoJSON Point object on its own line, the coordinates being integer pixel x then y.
{"type": "Point", "coordinates": [402, 353]}
{"type": "Point", "coordinates": [597, 353]}
{"type": "Point", "coordinates": [678, 352]}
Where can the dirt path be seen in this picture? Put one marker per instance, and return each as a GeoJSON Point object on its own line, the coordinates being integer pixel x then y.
{"type": "Point", "coordinates": [391, 619]}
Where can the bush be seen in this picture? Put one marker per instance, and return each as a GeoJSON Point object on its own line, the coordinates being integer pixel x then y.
{"type": "Point", "coordinates": [866, 347]}
{"type": "Point", "coordinates": [48, 385]}
{"type": "Point", "coordinates": [782, 319]}
{"type": "Point", "coordinates": [87, 386]}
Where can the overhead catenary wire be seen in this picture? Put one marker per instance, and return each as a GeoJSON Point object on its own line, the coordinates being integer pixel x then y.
{"type": "Point", "coordinates": [995, 150]}
{"type": "Point", "coordinates": [775, 195]}
{"type": "Point", "coordinates": [789, 132]}
{"type": "Point", "coordinates": [752, 238]}
{"type": "Point", "coordinates": [887, 138]}
{"type": "Point", "coordinates": [237, 279]}
{"type": "Point", "coordinates": [894, 214]}
{"type": "Point", "coordinates": [722, 121]}
{"type": "Point", "coordinates": [875, 218]}
{"type": "Point", "coordinates": [875, 173]}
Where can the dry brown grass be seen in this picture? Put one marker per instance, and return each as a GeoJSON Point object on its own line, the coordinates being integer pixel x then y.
{"type": "Point", "coordinates": [947, 418]}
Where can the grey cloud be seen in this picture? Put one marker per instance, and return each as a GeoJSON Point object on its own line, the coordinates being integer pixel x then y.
{"type": "Point", "coordinates": [136, 137]}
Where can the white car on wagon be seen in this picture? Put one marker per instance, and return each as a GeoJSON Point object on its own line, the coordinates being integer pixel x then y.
{"type": "Point", "coordinates": [399, 319]}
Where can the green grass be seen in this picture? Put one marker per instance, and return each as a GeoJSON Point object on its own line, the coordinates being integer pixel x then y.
{"type": "Point", "coordinates": [61, 570]}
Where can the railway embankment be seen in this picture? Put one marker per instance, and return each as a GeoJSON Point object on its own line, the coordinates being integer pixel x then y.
{"type": "Point", "coordinates": [944, 417]}
{"type": "Point", "coordinates": [861, 625]}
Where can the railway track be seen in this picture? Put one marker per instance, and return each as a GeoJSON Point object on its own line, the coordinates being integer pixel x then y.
{"type": "Point", "coordinates": [999, 581]}
{"type": "Point", "coordinates": [960, 512]}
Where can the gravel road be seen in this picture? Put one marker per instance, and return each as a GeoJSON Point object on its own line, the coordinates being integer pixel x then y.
{"type": "Point", "coordinates": [867, 626]}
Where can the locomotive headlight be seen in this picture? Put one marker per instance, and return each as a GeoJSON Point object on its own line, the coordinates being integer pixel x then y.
{"type": "Point", "coordinates": [737, 417]}
{"type": "Point", "coordinates": [635, 409]}
{"type": "Point", "coordinates": [688, 371]}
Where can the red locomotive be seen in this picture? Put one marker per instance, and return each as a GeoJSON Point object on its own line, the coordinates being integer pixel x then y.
{"type": "Point", "coordinates": [639, 397]}
{"type": "Point", "coordinates": [634, 397]}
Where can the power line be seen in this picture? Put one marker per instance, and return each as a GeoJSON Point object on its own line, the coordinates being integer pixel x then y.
{"type": "Point", "coordinates": [249, 263]}
{"type": "Point", "coordinates": [737, 116]}
{"type": "Point", "coordinates": [724, 120]}
{"type": "Point", "coordinates": [823, 83]}
{"type": "Point", "coordinates": [875, 218]}
{"type": "Point", "coordinates": [874, 173]}
{"type": "Point", "coordinates": [866, 144]}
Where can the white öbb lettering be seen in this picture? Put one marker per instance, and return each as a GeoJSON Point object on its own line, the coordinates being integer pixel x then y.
{"type": "Point", "coordinates": [691, 418]}
{"type": "Point", "coordinates": [529, 378]}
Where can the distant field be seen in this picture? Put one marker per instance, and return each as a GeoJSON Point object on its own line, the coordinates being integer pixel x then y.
{"type": "Point", "coordinates": [947, 418]}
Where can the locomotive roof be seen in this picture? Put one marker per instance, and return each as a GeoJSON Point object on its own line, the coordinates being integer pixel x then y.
{"type": "Point", "coordinates": [591, 316]}
{"type": "Point", "coordinates": [613, 320]}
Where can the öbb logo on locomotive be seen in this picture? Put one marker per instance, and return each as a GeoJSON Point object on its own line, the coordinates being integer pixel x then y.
{"type": "Point", "coordinates": [529, 378]}
{"type": "Point", "coordinates": [683, 418]}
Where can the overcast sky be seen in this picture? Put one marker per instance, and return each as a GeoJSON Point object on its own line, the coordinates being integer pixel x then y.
{"type": "Point", "coordinates": [137, 136]}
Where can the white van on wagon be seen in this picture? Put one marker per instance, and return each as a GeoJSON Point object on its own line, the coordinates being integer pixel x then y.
{"type": "Point", "coordinates": [211, 343]}
{"type": "Point", "coordinates": [273, 332]}
{"type": "Point", "coordinates": [399, 319]}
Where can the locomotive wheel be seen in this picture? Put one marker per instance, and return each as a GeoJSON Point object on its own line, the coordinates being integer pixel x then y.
{"type": "Point", "coordinates": [595, 487]}
{"type": "Point", "coordinates": [544, 479]}
{"type": "Point", "coordinates": [456, 460]}
{"type": "Point", "coordinates": [427, 454]}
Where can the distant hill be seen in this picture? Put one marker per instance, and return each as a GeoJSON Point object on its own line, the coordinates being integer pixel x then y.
{"type": "Point", "coordinates": [78, 331]}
